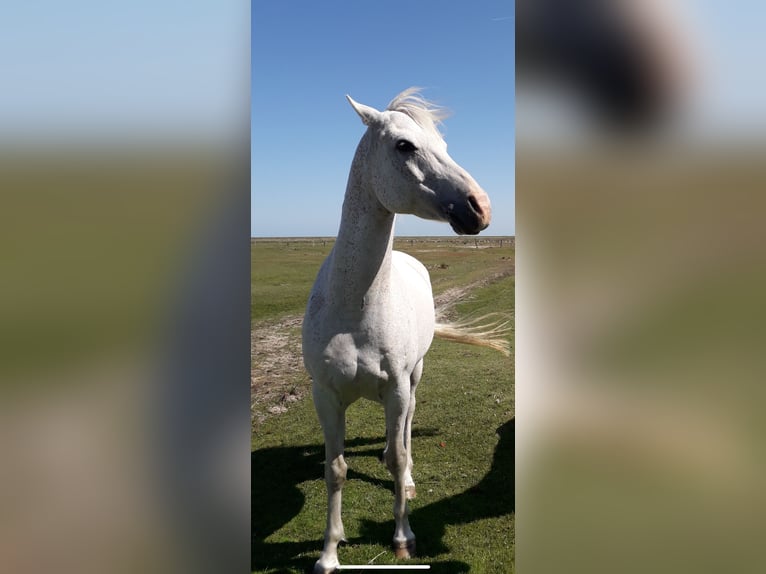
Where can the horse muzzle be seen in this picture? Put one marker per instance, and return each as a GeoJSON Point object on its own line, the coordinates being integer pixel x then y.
{"type": "Point", "coordinates": [471, 216]}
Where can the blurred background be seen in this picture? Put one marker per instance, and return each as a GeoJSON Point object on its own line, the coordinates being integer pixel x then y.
{"type": "Point", "coordinates": [124, 300]}
{"type": "Point", "coordinates": [641, 132]}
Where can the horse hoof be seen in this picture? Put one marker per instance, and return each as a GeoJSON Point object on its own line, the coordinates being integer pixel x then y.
{"type": "Point", "coordinates": [321, 569]}
{"type": "Point", "coordinates": [405, 551]}
{"type": "Point", "coordinates": [409, 492]}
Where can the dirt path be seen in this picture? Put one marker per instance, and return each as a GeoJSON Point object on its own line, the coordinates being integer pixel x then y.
{"type": "Point", "coordinates": [447, 299]}
{"type": "Point", "coordinates": [277, 375]}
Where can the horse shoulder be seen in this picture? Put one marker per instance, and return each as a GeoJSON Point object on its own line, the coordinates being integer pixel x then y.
{"type": "Point", "coordinates": [314, 318]}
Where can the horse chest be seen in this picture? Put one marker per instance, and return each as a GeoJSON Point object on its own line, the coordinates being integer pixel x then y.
{"type": "Point", "coordinates": [361, 364]}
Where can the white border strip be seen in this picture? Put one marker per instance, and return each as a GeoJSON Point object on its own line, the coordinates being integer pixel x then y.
{"type": "Point", "coordinates": [384, 567]}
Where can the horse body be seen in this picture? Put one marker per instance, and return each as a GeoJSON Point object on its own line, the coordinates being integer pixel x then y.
{"type": "Point", "coordinates": [370, 316]}
{"type": "Point", "coordinates": [359, 345]}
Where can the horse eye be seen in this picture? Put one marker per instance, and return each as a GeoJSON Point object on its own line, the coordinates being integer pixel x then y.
{"type": "Point", "coordinates": [405, 146]}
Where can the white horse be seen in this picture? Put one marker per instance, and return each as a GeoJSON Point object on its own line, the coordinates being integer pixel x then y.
{"type": "Point", "coordinates": [370, 317]}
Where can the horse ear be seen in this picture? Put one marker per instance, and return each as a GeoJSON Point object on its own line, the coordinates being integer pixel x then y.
{"type": "Point", "coordinates": [369, 115]}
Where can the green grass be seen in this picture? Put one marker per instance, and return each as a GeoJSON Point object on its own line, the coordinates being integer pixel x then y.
{"type": "Point", "coordinates": [463, 437]}
{"type": "Point", "coordinates": [282, 274]}
{"type": "Point", "coordinates": [283, 271]}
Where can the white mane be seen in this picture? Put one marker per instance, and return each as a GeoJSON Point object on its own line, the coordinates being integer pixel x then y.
{"type": "Point", "coordinates": [426, 114]}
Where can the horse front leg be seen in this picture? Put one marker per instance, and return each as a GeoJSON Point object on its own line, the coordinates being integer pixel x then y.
{"type": "Point", "coordinates": [409, 483]}
{"type": "Point", "coordinates": [332, 417]}
{"type": "Point", "coordinates": [397, 406]}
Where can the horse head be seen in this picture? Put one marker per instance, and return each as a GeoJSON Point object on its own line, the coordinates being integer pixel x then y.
{"type": "Point", "coordinates": [409, 170]}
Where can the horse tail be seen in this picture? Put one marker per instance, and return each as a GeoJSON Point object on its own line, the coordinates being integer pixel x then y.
{"type": "Point", "coordinates": [486, 331]}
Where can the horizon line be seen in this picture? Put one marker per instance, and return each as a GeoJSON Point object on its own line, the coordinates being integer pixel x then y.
{"type": "Point", "coordinates": [395, 237]}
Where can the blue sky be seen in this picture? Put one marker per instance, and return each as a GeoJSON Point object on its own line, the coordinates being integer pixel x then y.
{"type": "Point", "coordinates": [306, 56]}
{"type": "Point", "coordinates": [152, 68]}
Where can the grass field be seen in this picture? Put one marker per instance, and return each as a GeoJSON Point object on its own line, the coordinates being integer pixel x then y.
{"type": "Point", "coordinates": [463, 435]}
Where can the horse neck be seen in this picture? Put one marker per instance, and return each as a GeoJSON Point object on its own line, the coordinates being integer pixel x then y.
{"type": "Point", "coordinates": [361, 264]}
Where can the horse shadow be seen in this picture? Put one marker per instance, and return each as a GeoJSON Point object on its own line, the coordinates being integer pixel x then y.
{"type": "Point", "coordinates": [276, 500]}
{"type": "Point", "coordinates": [491, 497]}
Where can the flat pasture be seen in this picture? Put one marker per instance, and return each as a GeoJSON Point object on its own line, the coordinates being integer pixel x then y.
{"type": "Point", "coordinates": [463, 431]}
